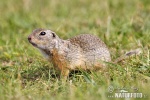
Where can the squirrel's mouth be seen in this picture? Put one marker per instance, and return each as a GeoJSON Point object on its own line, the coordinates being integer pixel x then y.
{"type": "Point", "coordinates": [35, 45]}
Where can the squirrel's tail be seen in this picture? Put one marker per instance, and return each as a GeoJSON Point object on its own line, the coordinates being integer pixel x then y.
{"type": "Point", "coordinates": [129, 54]}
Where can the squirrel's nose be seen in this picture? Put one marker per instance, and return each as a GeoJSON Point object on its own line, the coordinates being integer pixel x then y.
{"type": "Point", "coordinates": [29, 38]}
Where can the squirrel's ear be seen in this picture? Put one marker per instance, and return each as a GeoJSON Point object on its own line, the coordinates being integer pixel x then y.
{"type": "Point", "coordinates": [53, 34]}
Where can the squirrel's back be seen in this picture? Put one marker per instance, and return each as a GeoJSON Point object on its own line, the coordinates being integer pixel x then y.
{"type": "Point", "coordinates": [87, 42]}
{"type": "Point", "coordinates": [92, 48]}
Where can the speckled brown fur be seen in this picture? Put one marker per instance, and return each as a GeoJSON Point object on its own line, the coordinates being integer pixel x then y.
{"type": "Point", "coordinates": [84, 51]}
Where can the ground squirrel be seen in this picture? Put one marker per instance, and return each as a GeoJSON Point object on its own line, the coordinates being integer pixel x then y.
{"type": "Point", "coordinates": [84, 51]}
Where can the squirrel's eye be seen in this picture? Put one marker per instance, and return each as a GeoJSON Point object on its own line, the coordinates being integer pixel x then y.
{"type": "Point", "coordinates": [42, 33]}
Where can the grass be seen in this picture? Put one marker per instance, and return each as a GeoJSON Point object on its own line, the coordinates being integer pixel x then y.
{"type": "Point", "coordinates": [122, 25]}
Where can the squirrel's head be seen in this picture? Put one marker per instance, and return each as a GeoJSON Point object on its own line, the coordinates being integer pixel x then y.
{"type": "Point", "coordinates": [43, 39]}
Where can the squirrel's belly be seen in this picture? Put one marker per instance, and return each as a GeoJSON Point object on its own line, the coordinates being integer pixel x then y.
{"type": "Point", "coordinates": [89, 60]}
{"type": "Point", "coordinates": [86, 64]}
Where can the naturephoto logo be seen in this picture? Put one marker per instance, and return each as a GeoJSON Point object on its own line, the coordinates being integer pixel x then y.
{"type": "Point", "coordinates": [132, 92]}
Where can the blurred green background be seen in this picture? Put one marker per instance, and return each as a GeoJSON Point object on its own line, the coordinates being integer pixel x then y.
{"type": "Point", "coordinates": [122, 24]}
